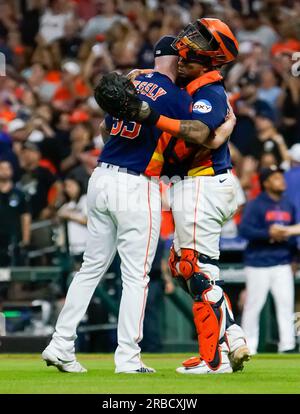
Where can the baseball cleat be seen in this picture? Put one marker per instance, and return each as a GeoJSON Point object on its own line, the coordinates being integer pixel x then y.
{"type": "Point", "coordinates": [63, 366]}
{"type": "Point", "coordinates": [238, 357]}
{"type": "Point", "coordinates": [142, 370]}
{"type": "Point", "coordinates": [190, 367]}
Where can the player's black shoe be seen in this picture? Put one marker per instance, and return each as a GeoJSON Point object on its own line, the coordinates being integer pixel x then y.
{"type": "Point", "coordinates": [291, 351]}
{"type": "Point", "coordinates": [142, 370]}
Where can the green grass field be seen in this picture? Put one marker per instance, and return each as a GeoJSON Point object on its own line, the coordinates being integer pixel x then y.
{"type": "Point", "coordinates": [267, 373]}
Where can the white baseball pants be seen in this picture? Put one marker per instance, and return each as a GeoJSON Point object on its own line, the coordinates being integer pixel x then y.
{"type": "Point", "coordinates": [201, 206]}
{"type": "Point", "coordinates": [259, 282]}
{"type": "Point", "coordinates": [124, 213]}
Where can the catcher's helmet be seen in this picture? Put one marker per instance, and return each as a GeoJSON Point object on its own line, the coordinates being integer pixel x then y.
{"type": "Point", "coordinates": [207, 41]}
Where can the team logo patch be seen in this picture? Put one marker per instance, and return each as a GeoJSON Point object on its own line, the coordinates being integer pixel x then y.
{"type": "Point", "coordinates": [202, 107]}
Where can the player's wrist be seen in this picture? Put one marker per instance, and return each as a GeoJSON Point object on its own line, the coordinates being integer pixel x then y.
{"type": "Point", "coordinates": [148, 115]}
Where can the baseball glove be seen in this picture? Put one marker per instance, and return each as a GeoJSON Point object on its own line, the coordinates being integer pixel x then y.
{"type": "Point", "coordinates": [117, 95]}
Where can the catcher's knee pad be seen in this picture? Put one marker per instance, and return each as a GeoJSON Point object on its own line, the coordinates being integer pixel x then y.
{"type": "Point", "coordinates": [188, 263]}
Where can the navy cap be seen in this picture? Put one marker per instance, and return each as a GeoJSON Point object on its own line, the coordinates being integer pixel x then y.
{"type": "Point", "coordinates": [265, 173]}
{"type": "Point", "coordinates": [164, 47]}
{"type": "Point", "coordinates": [267, 113]}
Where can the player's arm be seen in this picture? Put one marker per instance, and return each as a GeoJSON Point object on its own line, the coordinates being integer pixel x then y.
{"type": "Point", "coordinates": [134, 73]}
{"type": "Point", "coordinates": [223, 132]}
{"type": "Point", "coordinates": [251, 227]}
{"type": "Point", "coordinates": [193, 131]}
{"type": "Point", "coordinates": [214, 139]}
{"type": "Point", "coordinates": [208, 113]}
{"type": "Point", "coordinates": [286, 231]}
{"type": "Point", "coordinates": [294, 230]}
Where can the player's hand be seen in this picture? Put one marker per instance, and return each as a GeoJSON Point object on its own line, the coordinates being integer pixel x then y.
{"type": "Point", "coordinates": [117, 95]}
{"type": "Point", "coordinates": [225, 130]}
{"type": "Point", "coordinates": [132, 75]}
{"type": "Point", "coordinates": [231, 116]}
{"type": "Point", "coordinates": [279, 233]}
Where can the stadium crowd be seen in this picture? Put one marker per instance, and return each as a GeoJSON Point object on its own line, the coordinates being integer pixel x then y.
{"type": "Point", "coordinates": [57, 50]}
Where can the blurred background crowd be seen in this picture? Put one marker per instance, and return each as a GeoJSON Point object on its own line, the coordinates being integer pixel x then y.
{"type": "Point", "coordinates": [57, 50]}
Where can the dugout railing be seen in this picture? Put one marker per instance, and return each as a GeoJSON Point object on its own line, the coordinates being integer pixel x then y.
{"type": "Point", "coordinates": [177, 327]}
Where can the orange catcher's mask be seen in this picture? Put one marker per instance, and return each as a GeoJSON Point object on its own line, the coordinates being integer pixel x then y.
{"type": "Point", "coordinates": [207, 41]}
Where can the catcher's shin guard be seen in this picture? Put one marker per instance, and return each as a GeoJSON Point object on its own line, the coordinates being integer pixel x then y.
{"type": "Point", "coordinates": [209, 312]}
{"type": "Point", "coordinates": [208, 309]}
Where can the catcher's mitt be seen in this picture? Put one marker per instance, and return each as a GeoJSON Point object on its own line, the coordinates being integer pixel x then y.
{"type": "Point", "coordinates": [117, 95]}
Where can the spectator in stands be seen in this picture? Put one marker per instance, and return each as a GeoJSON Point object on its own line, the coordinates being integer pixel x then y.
{"type": "Point", "coordinates": [268, 260]}
{"type": "Point", "coordinates": [7, 152]}
{"type": "Point", "coordinates": [246, 105]}
{"type": "Point", "coordinates": [30, 22]}
{"type": "Point", "coordinates": [98, 61]}
{"type": "Point", "coordinates": [38, 183]}
{"type": "Point", "coordinates": [124, 43]}
{"type": "Point", "coordinates": [145, 57]}
{"type": "Point", "coordinates": [17, 132]}
{"type": "Point", "coordinates": [106, 16]}
{"type": "Point", "coordinates": [74, 212]}
{"type": "Point", "coordinates": [268, 89]}
{"type": "Point", "coordinates": [255, 30]}
{"type": "Point", "coordinates": [269, 139]}
{"type": "Point", "coordinates": [290, 106]}
{"type": "Point", "coordinates": [72, 88]}
{"type": "Point", "coordinates": [292, 177]}
{"type": "Point", "coordinates": [53, 20]}
{"type": "Point", "coordinates": [15, 219]}
{"type": "Point", "coordinates": [8, 21]}
{"type": "Point", "coordinates": [68, 46]}
{"type": "Point", "coordinates": [81, 142]}
{"type": "Point", "coordinates": [252, 60]}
